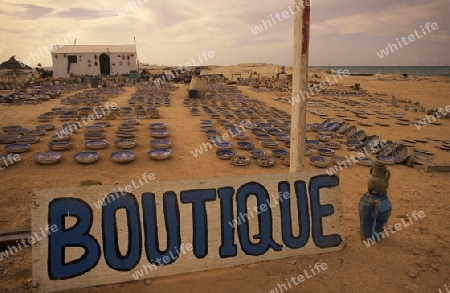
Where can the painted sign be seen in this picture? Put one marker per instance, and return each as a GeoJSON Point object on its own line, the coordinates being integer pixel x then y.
{"type": "Point", "coordinates": [166, 228]}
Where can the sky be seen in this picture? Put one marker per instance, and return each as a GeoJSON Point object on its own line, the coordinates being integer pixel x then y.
{"type": "Point", "coordinates": [172, 32]}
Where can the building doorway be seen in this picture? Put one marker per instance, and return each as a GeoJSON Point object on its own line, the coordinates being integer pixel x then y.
{"type": "Point", "coordinates": [105, 65]}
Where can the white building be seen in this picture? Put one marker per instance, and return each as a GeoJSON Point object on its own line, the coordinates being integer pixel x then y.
{"type": "Point", "coordinates": [93, 60]}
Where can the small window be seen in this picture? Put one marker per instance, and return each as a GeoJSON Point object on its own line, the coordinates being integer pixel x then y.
{"type": "Point", "coordinates": [72, 58]}
{"type": "Point", "coordinates": [56, 56]}
{"type": "Point", "coordinates": [128, 57]}
{"type": "Point", "coordinates": [96, 63]}
{"type": "Point", "coordinates": [123, 57]}
{"type": "Point", "coordinates": [95, 57]}
{"type": "Point", "coordinates": [118, 55]}
{"type": "Point", "coordinates": [128, 63]}
{"type": "Point", "coordinates": [131, 54]}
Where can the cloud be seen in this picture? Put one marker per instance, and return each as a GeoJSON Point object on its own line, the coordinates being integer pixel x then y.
{"type": "Point", "coordinates": [82, 13]}
{"type": "Point", "coordinates": [26, 11]}
{"type": "Point", "coordinates": [173, 31]}
{"type": "Point", "coordinates": [385, 20]}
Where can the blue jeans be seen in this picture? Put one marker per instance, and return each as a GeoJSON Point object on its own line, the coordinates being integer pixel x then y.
{"type": "Point", "coordinates": [374, 212]}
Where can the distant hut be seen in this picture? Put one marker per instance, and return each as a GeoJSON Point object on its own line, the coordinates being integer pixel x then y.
{"type": "Point", "coordinates": [13, 72]}
{"type": "Point", "coordinates": [13, 64]}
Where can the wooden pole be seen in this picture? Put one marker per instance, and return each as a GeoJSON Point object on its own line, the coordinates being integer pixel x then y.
{"type": "Point", "coordinates": [299, 85]}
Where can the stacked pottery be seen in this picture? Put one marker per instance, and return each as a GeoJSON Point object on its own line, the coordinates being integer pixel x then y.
{"type": "Point", "coordinates": [375, 207]}
{"type": "Point", "coordinates": [379, 179]}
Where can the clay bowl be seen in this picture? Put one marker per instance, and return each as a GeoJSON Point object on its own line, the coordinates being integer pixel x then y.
{"type": "Point", "coordinates": [359, 135]}
{"type": "Point", "coordinates": [62, 145]}
{"type": "Point", "coordinates": [9, 138]}
{"type": "Point", "coordinates": [37, 132]}
{"type": "Point", "coordinates": [17, 147]}
{"type": "Point", "coordinates": [323, 138]}
{"type": "Point", "coordinates": [263, 136]}
{"type": "Point", "coordinates": [61, 136]}
{"type": "Point", "coordinates": [423, 151]}
{"type": "Point", "coordinates": [21, 130]}
{"type": "Point", "coordinates": [338, 159]}
{"type": "Point", "coordinates": [223, 145]}
{"type": "Point", "coordinates": [10, 127]}
{"type": "Point", "coordinates": [213, 139]}
{"type": "Point", "coordinates": [274, 131]}
{"type": "Point", "coordinates": [159, 133]}
{"type": "Point", "coordinates": [350, 131]}
{"type": "Point", "coordinates": [271, 144]}
{"type": "Point", "coordinates": [206, 121]}
{"type": "Point", "coordinates": [266, 161]}
{"type": "Point", "coordinates": [64, 117]}
{"type": "Point", "coordinates": [354, 143]}
{"type": "Point", "coordinates": [280, 152]}
{"type": "Point", "coordinates": [122, 157]}
{"type": "Point", "coordinates": [365, 161]}
{"type": "Point", "coordinates": [256, 153]}
{"type": "Point", "coordinates": [125, 134]}
{"type": "Point", "coordinates": [283, 137]}
{"type": "Point", "coordinates": [325, 151]}
{"type": "Point", "coordinates": [212, 132]}
{"type": "Point", "coordinates": [127, 128]}
{"type": "Point", "coordinates": [333, 145]}
{"type": "Point", "coordinates": [421, 156]}
{"type": "Point", "coordinates": [47, 158]}
{"type": "Point", "coordinates": [95, 144]}
{"type": "Point", "coordinates": [86, 157]}
{"type": "Point", "coordinates": [240, 160]}
{"type": "Point", "coordinates": [94, 128]}
{"type": "Point", "coordinates": [160, 154]}
{"type": "Point", "coordinates": [94, 135]}
{"type": "Point", "coordinates": [225, 154]}
{"type": "Point", "coordinates": [313, 143]}
{"type": "Point", "coordinates": [125, 143]}
{"type": "Point", "coordinates": [258, 130]}
{"type": "Point", "coordinates": [285, 160]}
{"type": "Point", "coordinates": [28, 139]}
{"type": "Point", "coordinates": [319, 161]}
{"type": "Point", "coordinates": [161, 143]}
{"type": "Point", "coordinates": [241, 136]}
{"type": "Point", "coordinates": [46, 127]}
{"type": "Point", "coordinates": [130, 122]}
{"type": "Point", "coordinates": [245, 145]}
{"type": "Point", "coordinates": [158, 126]}
{"type": "Point", "coordinates": [385, 160]}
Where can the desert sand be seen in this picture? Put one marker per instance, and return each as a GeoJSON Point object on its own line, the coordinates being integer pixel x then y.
{"type": "Point", "coordinates": [415, 259]}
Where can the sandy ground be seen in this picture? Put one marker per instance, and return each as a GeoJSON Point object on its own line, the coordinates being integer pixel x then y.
{"type": "Point", "coordinates": [415, 259]}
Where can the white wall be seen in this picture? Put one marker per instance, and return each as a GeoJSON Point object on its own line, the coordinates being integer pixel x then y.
{"type": "Point", "coordinates": [87, 64]}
